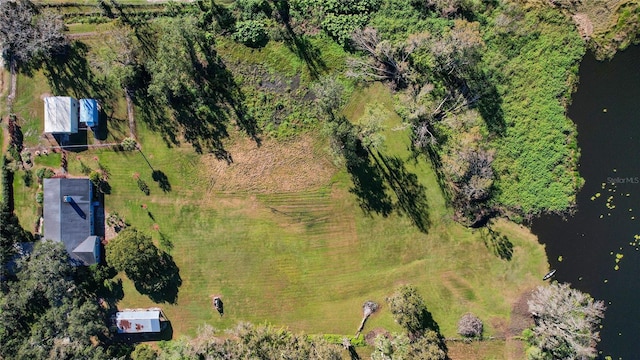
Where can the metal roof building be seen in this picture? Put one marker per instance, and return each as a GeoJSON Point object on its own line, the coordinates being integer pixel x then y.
{"type": "Point", "coordinates": [139, 321]}
{"type": "Point", "coordinates": [89, 112]}
{"type": "Point", "coordinates": [68, 213]}
{"type": "Point", "coordinates": [61, 114]}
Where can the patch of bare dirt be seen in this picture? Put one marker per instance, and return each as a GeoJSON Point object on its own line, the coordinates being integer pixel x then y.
{"type": "Point", "coordinates": [585, 26]}
{"type": "Point", "coordinates": [372, 335]}
{"type": "Point", "coordinates": [274, 166]}
{"type": "Point", "coordinates": [520, 317]}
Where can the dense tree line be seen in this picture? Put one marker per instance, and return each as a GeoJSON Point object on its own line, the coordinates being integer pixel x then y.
{"type": "Point", "coordinates": [46, 313]}
{"type": "Point", "coordinates": [247, 341]}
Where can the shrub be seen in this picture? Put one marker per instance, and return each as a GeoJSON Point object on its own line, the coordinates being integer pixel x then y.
{"type": "Point", "coordinates": [39, 197]}
{"type": "Point", "coordinates": [27, 177]}
{"type": "Point", "coordinates": [115, 221]}
{"type": "Point", "coordinates": [129, 144]}
{"type": "Point", "coordinates": [26, 157]}
{"type": "Point", "coordinates": [100, 182]}
{"type": "Point", "coordinates": [253, 9]}
{"type": "Point", "coordinates": [251, 33]}
{"type": "Point", "coordinates": [84, 168]}
{"type": "Point", "coordinates": [44, 173]}
{"type": "Point", "coordinates": [142, 185]}
{"type": "Point", "coordinates": [339, 339]}
{"type": "Point", "coordinates": [470, 326]}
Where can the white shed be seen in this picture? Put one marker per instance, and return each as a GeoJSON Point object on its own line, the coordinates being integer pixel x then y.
{"type": "Point", "coordinates": [139, 321]}
{"type": "Point", "coordinates": [61, 115]}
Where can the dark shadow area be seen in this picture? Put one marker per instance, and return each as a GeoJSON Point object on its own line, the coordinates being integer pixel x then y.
{"type": "Point", "coordinates": [498, 244]}
{"type": "Point", "coordinates": [369, 187]}
{"type": "Point", "coordinates": [299, 44]}
{"type": "Point", "coordinates": [161, 280]}
{"type": "Point", "coordinates": [99, 280]}
{"type": "Point", "coordinates": [489, 103]}
{"type": "Point", "coordinates": [426, 323]}
{"type": "Point", "coordinates": [75, 207]}
{"type": "Point", "coordinates": [101, 131]}
{"type": "Point", "coordinates": [78, 141]}
{"type": "Point", "coordinates": [436, 163]}
{"type": "Point", "coordinates": [353, 355]}
{"type": "Point", "coordinates": [368, 183]}
{"type": "Point", "coordinates": [165, 242]}
{"type": "Point", "coordinates": [372, 174]}
{"type": "Point", "coordinates": [102, 185]}
{"type": "Point", "coordinates": [412, 199]}
{"type": "Point", "coordinates": [153, 112]}
{"type": "Point", "coordinates": [70, 74]}
{"type": "Point", "coordinates": [213, 13]}
{"type": "Point", "coordinates": [162, 180]}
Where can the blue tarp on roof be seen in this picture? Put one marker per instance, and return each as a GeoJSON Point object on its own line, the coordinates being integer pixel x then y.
{"type": "Point", "coordinates": [89, 112]}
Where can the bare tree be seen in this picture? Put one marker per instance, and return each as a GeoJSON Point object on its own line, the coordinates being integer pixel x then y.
{"type": "Point", "coordinates": [470, 326]}
{"type": "Point", "coordinates": [330, 95]}
{"type": "Point", "coordinates": [26, 32]}
{"type": "Point", "coordinates": [457, 50]}
{"type": "Point", "coordinates": [385, 61]}
{"type": "Point", "coordinates": [566, 322]}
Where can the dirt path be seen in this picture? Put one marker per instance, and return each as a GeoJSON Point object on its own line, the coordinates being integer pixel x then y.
{"type": "Point", "coordinates": [132, 121]}
{"type": "Point", "coordinates": [13, 78]}
{"type": "Point", "coordinates": [94, 146]}
{"type": "Point", "coordinates": [85, 35]}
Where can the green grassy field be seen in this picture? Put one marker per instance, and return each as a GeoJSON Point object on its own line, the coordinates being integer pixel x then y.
{"type": "Point", "coordinates": [305, 259]}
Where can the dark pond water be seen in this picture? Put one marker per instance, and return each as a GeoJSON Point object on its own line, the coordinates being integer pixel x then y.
{"type": "Point", "coordinates": [598, 249]}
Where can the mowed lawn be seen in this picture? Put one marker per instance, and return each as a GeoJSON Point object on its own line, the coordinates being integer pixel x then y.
{"type": "Point", "coordinates": [304, 259]}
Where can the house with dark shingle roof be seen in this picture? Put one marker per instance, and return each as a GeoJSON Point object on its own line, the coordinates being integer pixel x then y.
{"type": "Point", "coordinates": [70, 211]}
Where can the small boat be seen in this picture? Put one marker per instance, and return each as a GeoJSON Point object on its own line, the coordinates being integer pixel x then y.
{"type": "Point", "coordinates": [549, 275]}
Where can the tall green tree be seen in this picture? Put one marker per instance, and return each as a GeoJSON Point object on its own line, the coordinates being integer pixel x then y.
{"type": "Point", "coordinates": [410, 312]}
{"type": "Point", "coordinates": [11, 232]}
{"type": "Point", "coordinates": [152, 271]}
{"type": "Point", "coordinates": [251, 342]}
{"type": "Point", "coordinates": [132, 252]}
{"type": "Point", "coordinates": [45, 315]}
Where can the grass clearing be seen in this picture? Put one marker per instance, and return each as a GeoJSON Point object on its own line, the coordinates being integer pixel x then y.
{"type": "Point", "coordinates": [308, 259]}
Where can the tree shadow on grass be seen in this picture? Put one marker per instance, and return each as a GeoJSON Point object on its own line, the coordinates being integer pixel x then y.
{"type": "Point", "coordinates": [427, 322]}
{"type": "Point", "coordinates": [161, 280]}
{"type": "Point", "coordinates": [498, 244]}
{"type": "Point", "coordinates": [299, 44]}
{"type": "Point", "coordinates": [200, 109]}
{"type": "Point", "coordinates": [162, 180]}
{"type": "Point", "coordinates": [368, 183]}
{"type": "Point", "coordinates": [71, 74]}
{"type": "Point", "coordinates": [373, 173]}
{"type": "Point", "coordinates": [411, 194]}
